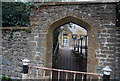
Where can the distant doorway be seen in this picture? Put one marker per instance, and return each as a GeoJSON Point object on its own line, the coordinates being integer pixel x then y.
{"type": "Point", "coordinates": [65, 41]}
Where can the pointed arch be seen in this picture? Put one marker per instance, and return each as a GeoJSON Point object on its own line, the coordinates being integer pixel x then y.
{"type": "Point", "coordinates": [91, 60]}
{"type": "Point", "coordinates": [69, 19]}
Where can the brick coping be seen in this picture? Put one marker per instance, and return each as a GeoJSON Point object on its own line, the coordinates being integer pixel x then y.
{"type": "Point", "coordinates": [8, 28]}
{"type": "Point", "coordinates": [71, 3]}
{"type": "Point", "coordinates": [4, 28]}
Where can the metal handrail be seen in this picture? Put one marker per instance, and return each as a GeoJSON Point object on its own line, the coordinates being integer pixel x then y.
{"type": "Point", "coordinates": [56, 48]}
{"type": "Point", "coordinates": [90, 75]}
{"type": "Point", "coordinates": [44, 68]}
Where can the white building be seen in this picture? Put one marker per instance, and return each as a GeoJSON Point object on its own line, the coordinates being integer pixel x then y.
{"type": "Point", "coordinates": [65, 37]}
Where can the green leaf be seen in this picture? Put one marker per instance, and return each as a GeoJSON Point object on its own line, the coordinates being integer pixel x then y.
{"type": "Point", "coordinates": [15, 13]}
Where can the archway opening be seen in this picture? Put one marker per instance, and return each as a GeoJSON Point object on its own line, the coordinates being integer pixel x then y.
{"type": "Point", "coordinates": [91, 40]}
{"type": "Point", "coordinates": [70, 48]}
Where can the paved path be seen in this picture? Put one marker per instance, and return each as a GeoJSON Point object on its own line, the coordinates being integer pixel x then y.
{"type": "Point", "coordinates": [68, 61]}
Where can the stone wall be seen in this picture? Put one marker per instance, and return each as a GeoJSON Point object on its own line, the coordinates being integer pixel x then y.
{"type": "Point", "coordinates": [100, 17]}
{"type": "Point", "coordinates": [117, 58]}
{"type": "Point", "coordinates": [15, 47]}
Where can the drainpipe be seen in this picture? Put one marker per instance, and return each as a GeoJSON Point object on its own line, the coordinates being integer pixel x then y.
{"type": "Point", "coordinates": [25, 68]}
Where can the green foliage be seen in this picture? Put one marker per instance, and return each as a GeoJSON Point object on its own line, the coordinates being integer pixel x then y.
{"type": "Point", "coordinates": [15, 14]}
{"type": "Point", "coordinates": [6, 78]}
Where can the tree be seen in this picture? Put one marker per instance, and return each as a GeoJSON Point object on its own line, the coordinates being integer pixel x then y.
{"type": "Point", "coordinates": [15, 14]}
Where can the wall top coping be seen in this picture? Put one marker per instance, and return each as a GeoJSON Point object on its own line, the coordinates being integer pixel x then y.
{"type": "Point", "coordinates": [8, 28]}
{"type": "Point", "coordinates": [69, 3]}
{"type": "Point", "coordinates": [4, 28]}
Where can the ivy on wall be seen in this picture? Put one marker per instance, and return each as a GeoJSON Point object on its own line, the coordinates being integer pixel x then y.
{"type": "Point", "coordinates": [15, 14]}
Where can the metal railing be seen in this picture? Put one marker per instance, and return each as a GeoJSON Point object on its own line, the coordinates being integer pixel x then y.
{"type": "Point", "coordinates": [44, 70]}
{"type": "Point", "coordinates": [56, 48]}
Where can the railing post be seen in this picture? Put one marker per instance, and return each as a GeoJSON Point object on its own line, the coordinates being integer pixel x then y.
{"type": "Point", "coordinates": [106, 73]}
{"type": "Point", "coordinates": [86, 45]}
{"type": "Point", "coordinates": [81, 45]}
{"type": "Point", "coordinates": [25, 68]}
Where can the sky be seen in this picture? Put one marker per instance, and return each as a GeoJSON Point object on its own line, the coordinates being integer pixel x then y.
{"type": "Point", "coordinates": [76, 29]}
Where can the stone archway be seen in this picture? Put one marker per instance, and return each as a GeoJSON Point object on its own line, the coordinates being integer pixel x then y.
{"type": "Point", "coordinates": [91, 40]}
